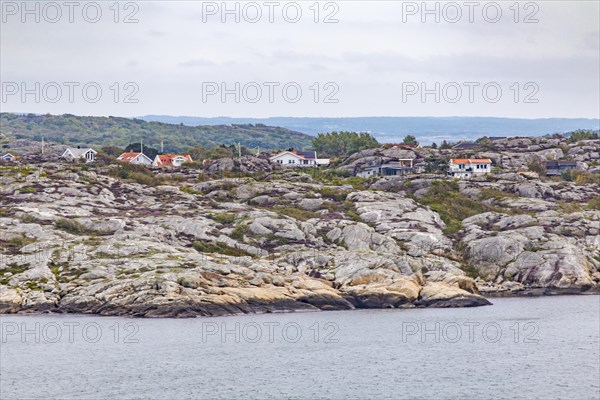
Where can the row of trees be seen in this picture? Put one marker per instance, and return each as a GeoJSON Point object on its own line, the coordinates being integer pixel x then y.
{"type": "Point", "coordinates": [342, 144]}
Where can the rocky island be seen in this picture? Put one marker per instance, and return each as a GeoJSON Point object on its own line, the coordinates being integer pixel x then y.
{"type": "Point", "coordinates": [243, 235]}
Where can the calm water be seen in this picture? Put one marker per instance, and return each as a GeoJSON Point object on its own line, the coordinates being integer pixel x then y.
{"type": "Point", "coordinates": [544, 348]}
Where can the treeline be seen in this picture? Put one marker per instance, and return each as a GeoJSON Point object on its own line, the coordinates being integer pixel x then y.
{"type": "Point", "coordinates": [116, 131]}
{"type": "Point", "coordinates": [342, 144]}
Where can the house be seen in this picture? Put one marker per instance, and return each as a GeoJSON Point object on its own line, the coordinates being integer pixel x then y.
{"type": "Point", "coordinates": [299, 158]}
{"type": "Point", "coordinates": [8, 157]}
{"type": "Point", "coordinates": [133, 157]}
{"type": "Point", "coordinates": [401, 167]}
{"type": "Point", "coordinates": [556, 168]}
{"type": "Point", "coordinates": [171, 160]}
{"type": "Point", "coordinates": [467, 167]}
{"type": "Point", "coordinates": [77, 153]}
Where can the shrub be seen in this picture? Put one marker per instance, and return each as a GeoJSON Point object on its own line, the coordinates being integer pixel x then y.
{"type": "Point", "coordinates": [189, 190]}
{"type": "Point", "coordinates": [594, 204]}
{"type": "Point", "coordinates": [239, 232]}
{"type": "Point", "coordinates": [333, 193]}
{"type": "Point", "coordinates": [224, 218]}
{"type": "Point", "coordinates": [296, 213]}
{"type": "Point", "coordinates": [493, 193]}
{"type": "Point", "coordinates": [444, 198]}
{"type": "Point", "coordinates": [73, 227]}
{"type": "Point", "coordinates": [219, 248]}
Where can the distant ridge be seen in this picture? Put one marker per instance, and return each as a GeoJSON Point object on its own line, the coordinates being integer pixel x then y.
{"type": "Point", "coordinates": [393, 129]}
{"type": "Point", "coordinates": [117, 131]}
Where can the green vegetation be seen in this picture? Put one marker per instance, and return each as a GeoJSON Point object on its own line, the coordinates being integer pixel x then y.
{"type": "Point", "coordinates": [537, 165]}
{"type": "Point", "coordinates": [219, 248]}
{"type": "Point", "coordinates": [583, 134]}
{"type": "Point", "coordinates": [581, 177]}
{"type": "Point", "coordinates": [115, 131]}
{"type": "Point", "coordinates": [15, 269]}
{"type": "Point", "coordinates": [411, 140]}
{"type": "Point", "coordinates": [73, 227]}
{"type": "Point", "coordinates": [569, 207]}
{"type": "Point", "coordinates": [594, 204]}
{"type": "Point", "coordinates": [27, 189]}
{"type": "Point", "coordinates": [225, 218]}
{"type": "Point", "coordinates": [444, 198]}
{"type": "Point", "coordinates": [150, 151]}
{"type": "Point", "coordinates": [493, 193]}
{"type": "Point", "coordinates": [189, 190]}
{"type": "Point", "coordinates": [239, 232]}
{"type": "Point", "coordinates": [15, 244]}
{"type": "Point", "coordinates": [136, 173]}
{"type": "Point", "coordinates": [342, 144]}
{"type": "Point", "coordinates": [296, 213]}
{"type": "Point", "coordinates": [335, 177]}
{"type": "Point", "coordinates": [333, 193]}
{"type": "Point", "coordinates": [436, 165]}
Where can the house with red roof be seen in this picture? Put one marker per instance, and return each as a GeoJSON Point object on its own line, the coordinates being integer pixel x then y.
{"type": "Point", "coordinates": [171, 160]}
{"type": "Point", "coordinates": [133, 157]}
{"type": "Point", "coordinates": [467, 167]}
{"type": "Point", "coordinates": [299, 159]}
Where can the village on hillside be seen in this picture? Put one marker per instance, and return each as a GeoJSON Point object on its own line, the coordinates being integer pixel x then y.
{"type": "Point", "coordinates": [549, 156]}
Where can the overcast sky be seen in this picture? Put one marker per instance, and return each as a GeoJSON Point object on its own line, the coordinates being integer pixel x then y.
{"type": "Point", "coordinates": [178, 53]}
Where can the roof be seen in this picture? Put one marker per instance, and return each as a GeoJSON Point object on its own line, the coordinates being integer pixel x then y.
{"type": "Point", "coordinates": [560, 164]}
{"type": "Point", "coordinates": [471, 161]}
{"type": "Point", "coordinates": [309, 155]}
{"type": "Point", "coordinates": [167, 159]}
{"type": "Point", "coordinates": [306, 154]}
{"type": "Point", "coordinates": [129, 156]}
{"type": "Point", "coordinates": [79, 152]}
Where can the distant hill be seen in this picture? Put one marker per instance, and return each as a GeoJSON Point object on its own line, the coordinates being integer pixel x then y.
{"type": "Point", "coordinates": [393, 129]}
{"type": "Point", "coordinates": [117, 131]}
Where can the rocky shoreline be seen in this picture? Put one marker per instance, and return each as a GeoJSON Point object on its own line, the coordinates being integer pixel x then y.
{"type": "Point", "coordinates": [96, 239]}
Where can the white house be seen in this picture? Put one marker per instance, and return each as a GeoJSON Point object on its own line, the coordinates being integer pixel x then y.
{"type": "Point", "coordinates": [171, 160]}
{"type": "Point", "coordinates": [133, 157]}
{"type": "Point", "coordinates": [77, 153]}
{"type": "Point", "coordinates": [299, 158]}
{"type": "Point", "coordinates": [467, 167]}
{"type": "Point", "coordinates": [8, 157]}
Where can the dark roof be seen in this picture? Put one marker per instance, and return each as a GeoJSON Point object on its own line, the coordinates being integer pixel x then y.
{"type": "Point", "coordinates": [557, 164]}
{"type": "Point", "coordinates": [307, 154]}
{"type": "Point", "coordinates": [465, 146]}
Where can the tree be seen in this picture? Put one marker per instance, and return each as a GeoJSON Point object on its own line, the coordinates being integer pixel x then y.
{"type": "Point", "coordinates": [112, 150]}
{"type": "Point", "coordinates": [537, 165]}
{"type": "Point", "coordinates": [582, 135]}
{"type": "Point", "coordinates": [341, 144]}
{"type": "Point", "coordinates": [410, 140]}
{"type": "Point", "coordinates": [445, 145]}
{"type": "Point", "coordinates": [434, 145]}
{"type": "Point", "coordinates": [151, 152]}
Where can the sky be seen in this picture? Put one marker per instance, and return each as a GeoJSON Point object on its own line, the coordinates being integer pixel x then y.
{"type": "Point", "coordinates": [306, 58]}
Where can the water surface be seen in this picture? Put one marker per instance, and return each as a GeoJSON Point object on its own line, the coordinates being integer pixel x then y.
{"type": "Point", "coordinates": [519, 348]}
